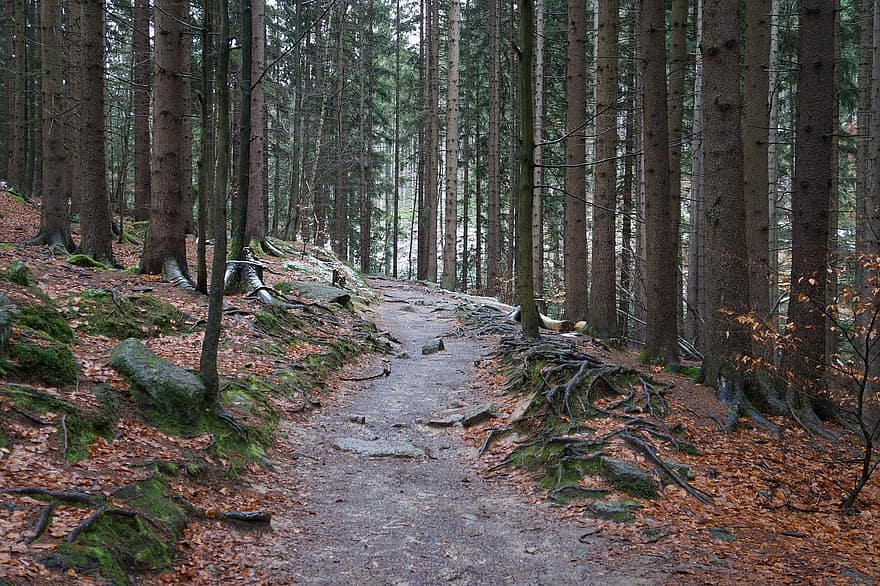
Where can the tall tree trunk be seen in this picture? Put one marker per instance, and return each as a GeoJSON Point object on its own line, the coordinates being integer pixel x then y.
{"type": "Point", "coordinates": [834, 196]}
{"type": "Point", "coordinates": [432, 191]}
{"type": "Point", "coordinates": [524, 284]}
{"type": "Point", "coordinates": [54, 217]}
{"type": "Point", "coordinates": [626, 265]}
{"type": "Point", "coordinates": [810, 199]}
{"type": "Point", "coordinates": [756, 121]}
{"type": "Point", "coordinates": [206, 159]}
{"type": "Point", "coordinates": [603, 308]}
{"type": "Point", "coordinates": [453, 42]}
{"type": "Point", "coordinates": [142, 79]}
{"type": "Point", "coordinates": [74, 120]}
{"type": "Point", "coordinates": [772, 154]}
{"type": "Point", "coordinates": [696, 281]}
{"type": "Point", "coordinates": [165, 248]}
{"type": "Point", "coordinates": [240, 205]}
{"type": "Point", "coordinates": [864, 170]}
{"type": "Point", "coordinates": [95, 217]}
{"type": "Point", "coordinates": [538, 205]}
{"type": "Point", "coordinates": [727, 293]}
{"type": "Point", "coordinates": [17, 159]}
{"type": "Point", "coordinates": [678, 65]}
{"type": "Point", "coordinates": [395, 223]}
{"type": "Point", "coordinates": [340, 222]}
{"type": "Point", "coordinates": [210, 345]}
{"type": "Point", "coordinates": [186, 160]}
{"type": "Point", "coordinates": [575, 204]}
{"type": "Point", "coordinates": [256, 226]}
{"type": "Point", "coordinates": [660, 262]}
{"type": "Point", "coordinates": [493, 201]}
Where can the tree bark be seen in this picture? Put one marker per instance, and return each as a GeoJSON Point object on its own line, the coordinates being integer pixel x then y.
{"type": "Point", "coordinates": [538, 205]}
{"type": "Point", "coordinates": [810, 199]}
{"type": "Point", "coordinates": [493, 195]}
{"type": "Point", "coordinates": [678, 65]}
{"type": "Point", "coordinates": [257, 206]}
{"type": "Point", "coordinates": [340, 192]}
{"type": "Point", "coordinates": [695, 328]}
{"type": "Point", "coordinates": [54, 216]}
{"type": "Point", "coordinates": [575, 257]}
{"type": "Point", "coordinates": [142, 80]}
{"type": "Point", "coordinates": [603, 307]}
{"type": "Point", "coordinates": [661, 340]}
{"type": "Point", "coordinates": [451, 212]}
{"type": "Point", "coordinates": [95, 220]}
{"type": "Point", "coordinates": [17, 159]}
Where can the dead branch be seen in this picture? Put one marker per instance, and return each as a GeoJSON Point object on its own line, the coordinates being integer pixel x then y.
{"type": "Point", "coordinates": [42, 522]}
{"type": "Point", "coordinates": [64, 436]}
{"type": "Point", "coordinates": [61, 495]}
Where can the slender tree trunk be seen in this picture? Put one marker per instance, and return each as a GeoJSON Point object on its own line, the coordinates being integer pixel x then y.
{"type": "Point", "coordinates": [451, 214]}
{"type": "Point", "coordinates": [575, 259]}
{"type": "Point", "coordinates": [206, 162]}
{"type": "Point", "coordinates": [834, 195]}
{"type": "Point", "coordinates": [756, 121]}
{"type": "Point", "coordinates": [395, 223]}
{"type": "Point", "coordinates": [525, 200]}
{"type": "Point", "coordinates": [660, 262]}
{"type": "Point", "coordinates": [208, 360]}
{"type": "Point", "coordinates": [626, 268]}
{"type": "Point", "coordinates": [142, 79]}
{"type": "Point", "coordinates": [186, 160]}
{"type": "Point", "coordinates": [678, 66]}
{"type": "Point", "coordinates": [538, 205]}
{"type": "Point", "coordinates": [493, 201]}
{"type": "Point", "coordinates": [696, 281]}
{"type": "Point", "coordinates": [257, 226]}
{"type": "Point", "coordinates": [810, 199]}
{"type": "Point", "coordinates": [17, 159]}
{"type": "Point", "coordinates": [54, 216]}
{"type": "Point", "coordinates": [432, 191]}
{"type": "Point", "coordinates": [240, 205]}
{"type": "Point", "coordinates": [340, 226]}
{"type": "Point", "coordinates": [772, 156]}
{"type": "Point", "coordinates": [864, 170]}
{"type": "Point", "coordinates": [603, 306]}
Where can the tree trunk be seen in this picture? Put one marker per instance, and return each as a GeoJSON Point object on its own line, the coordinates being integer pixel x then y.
{"type": "Point", "coordinates": [575, 204]}
{"type": "Point", "coordinates": [240, 205]}
{"type": "Point", "coordinates": [256, 225]}
{"type": "Point", "coordinates": [524, 285]}
{"type": "Point", "coordinates": [661, 340]}
{"type": "Point", "coordinates": [695, 328]}
{"type": "Point", "coordinates": [493, 196]}
{"type": "Point", "coordinates": [678, 65]}
{"type": "Point", "coordinates": [395, 223]}
{"type": "Point", "coordinates": [626, 268]}
{"type": "Point", "coordinates": [432, 191]}
{"type": "Point", "coordinates": [772, 154]}
{"type": "Point", "coordinates": [452, 75]}
{"type": "Point", "coordinates": [95, 220]}
{"type": "Point", "coordinates": [165, 248]}
{"type": "Point", "coordinates": [142, 78]}
{"type": "Point", "coordinates": [810, 198]}
{"type": "Point", "coordinates": [727, 292]}
{"type": "Point", "coordinates": [54, 217]}
{"type": "Point", "coordinates": [206, 162]}
{"type": "Point", "coordinates": [864, 169]}
{"type": "Point", "coordinates": [603, 307]}
{"type": "Point", "coordinates": [756, 121]}
{"type": "Point", "coordinates": [17, 159]}
{"type": "Point", "coordinates": [538, 205]}
{"type": "Point", "coordinates": [340, 192]}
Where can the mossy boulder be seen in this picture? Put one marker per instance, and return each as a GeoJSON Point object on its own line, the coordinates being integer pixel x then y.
{"type": "Point", "coordinates": [7, 310]}
{"type": "Point", "coordinates": [322, 293]}
{"type": "Point", "coordinates": [19, 273]}
{"type": "Point", "coordinates": [629, 478]}
{"type": "Point", "coordinates": [105, 313]}
{"type": "Point", "coordinates": [52, 364]}
{"type": "Point", "coordinates": [87, 262]}
{"type": "Point", "coordinates": [617, 511]}
{"type": "Point", "coordinates": [174, 393]}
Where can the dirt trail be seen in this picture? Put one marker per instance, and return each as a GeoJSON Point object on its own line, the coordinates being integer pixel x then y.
{"type": "Point", "coordinates": [429, 519]}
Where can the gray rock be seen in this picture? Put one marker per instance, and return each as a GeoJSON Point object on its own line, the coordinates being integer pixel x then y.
{"type": "Point", "coordinates": [378, 448]}
{"type": "Point", "coordinates": [408, 308]}
{"type": "Point", "coordinates": [446, 419]}
{"type": "Point", "coordinates": [403, 355]}
{"type": "Point", "coordinates": [683, 470]}
{"type": "Point", "coordinates": [721, 534]}
{"type": "Point", "coordinates": [7, 310]}
{"type": "Point", "coordinates": [617, 511]}
{"type": "Point", "coordinates": [628, 477]}
{"type": "Point", "coordinates": [357, 419]}
{"type": "Point", "coordinates": [175, 393]}
{"type": "Point", "coordinates": [433, 346]}
{"type": "Point", "coordinates": [321, 292]}
{"type": "Point", "coordinates": [478, 414]}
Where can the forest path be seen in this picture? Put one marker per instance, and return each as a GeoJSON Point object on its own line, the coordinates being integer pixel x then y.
{"type": "Point", "coordinates": [428, 519]}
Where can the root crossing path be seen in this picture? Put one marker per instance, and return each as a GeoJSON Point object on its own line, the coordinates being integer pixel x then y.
{"type": "Point", "coordinates": [423, 515]}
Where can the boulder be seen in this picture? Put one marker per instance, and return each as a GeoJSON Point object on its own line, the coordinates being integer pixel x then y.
{"type": "Point", "coordinates": [617, 511]}
{"type": "Point", "coordinates": [172, 391]}
{"type": "Point", "coordinates": [628, 477]}
{"type": "Point", "coordinates": [478, 414]}
{"type": "Point", "coordinates": [321, 293]}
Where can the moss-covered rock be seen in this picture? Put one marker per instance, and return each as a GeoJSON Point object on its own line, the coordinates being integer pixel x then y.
{"type": "Point", "coordinates": [617, 511]}
{"type": "Point", "coordinates": [45, 318]}
{"type": "Point", "coordinates": [320, 292]}
{"type": "Point", "coordinates": [19, 273]}
{"type": "Point", "coordinates": [87, 262]}
{"type": "Point", "coordinates": [86, 560]}
{"type": "Point", "coordinates": [178, 395]}
{"type": "Point", "coordinates": [629, 478]}
{"type": "Point", "coordinates": [52, 364]}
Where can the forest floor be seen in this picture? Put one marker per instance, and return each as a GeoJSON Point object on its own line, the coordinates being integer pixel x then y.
{"type": "Point", "coordinates": [427, 507]}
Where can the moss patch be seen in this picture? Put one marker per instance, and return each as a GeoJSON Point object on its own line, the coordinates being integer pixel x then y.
{"type": "Point", "coordinates": [46, 319]}
{"type": "Point", "coordinates": [18, 273]}
{"type": "Point", "coordinates": [87, 560]}
{"type": "Point", "coordinates": [87, 262]}
{"type": "Point", "coordinates": [102, 313]}
{"type": "Point", "coordinates": [53, 364]}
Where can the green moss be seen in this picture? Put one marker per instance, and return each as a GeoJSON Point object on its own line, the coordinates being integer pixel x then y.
{"type": "Point", "coordinates": [4, 441]}
{"type": "Point", "coordinates": [283, 287]}
{"type": "Point", "coordinates": [556, 464]}
{"type": "Point", "coordinates": [266, 320]}
{"type": "Point", "coordinates": [691, 372]}
{"type": "Point", "coordinates": [53, 365]}
{"type": "Point", "coordinates": [88, 560]}
{"type": "Point", "coordinates": [87, 262]}
{"type": "Point", "coordinates": [19, 273]}
{"type": "Point", "coordinates": [98, 312]}
{"type": "Point", "coordinates": [132, 543]}
{"type": "Point", "coordinates": [689, 449]}
{"type": "Point", "coordinates": [46, 319]}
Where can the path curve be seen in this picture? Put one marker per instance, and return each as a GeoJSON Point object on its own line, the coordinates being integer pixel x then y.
{"type": "Point", "coordinates": [423, 520]}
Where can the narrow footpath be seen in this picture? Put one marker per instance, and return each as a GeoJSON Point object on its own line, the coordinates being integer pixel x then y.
{"type": "Point", "coordinates": [423, 515]}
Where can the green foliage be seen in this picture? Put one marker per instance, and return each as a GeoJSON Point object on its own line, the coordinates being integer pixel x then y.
{"type": "Point", "coordinates": [88, 560]}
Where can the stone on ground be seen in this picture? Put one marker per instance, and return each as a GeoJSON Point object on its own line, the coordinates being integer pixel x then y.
{"type": "Point", "coordinates": [378, 448]}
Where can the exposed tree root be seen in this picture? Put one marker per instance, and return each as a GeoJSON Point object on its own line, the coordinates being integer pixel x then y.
{"type": "Point", "coordinates": [649, 452]}
{"type": "Point", "coordinates": [730, 392]}
{"type": "Point", "coordinates": [172, 273]}
{"type": "Point", "coordinates": [74, 496]}
{"type": "Point", "coordinates": [42, 523]}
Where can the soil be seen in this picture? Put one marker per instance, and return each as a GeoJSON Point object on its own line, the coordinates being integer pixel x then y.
{"type": "Point", "coordinates": [432, 519]}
